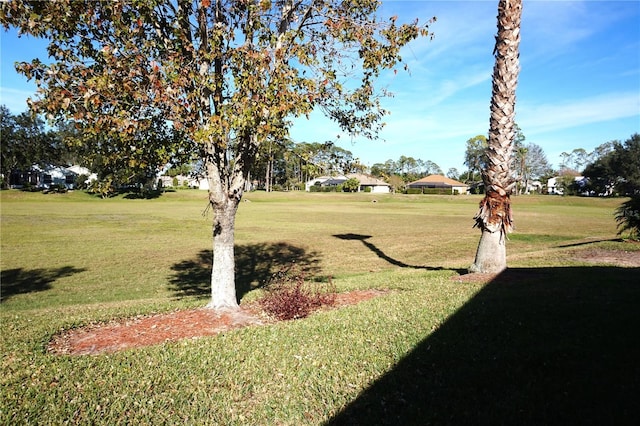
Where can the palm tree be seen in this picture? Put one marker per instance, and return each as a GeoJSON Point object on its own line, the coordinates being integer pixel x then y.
{"type": "Point", "coordinates": [494, 216]}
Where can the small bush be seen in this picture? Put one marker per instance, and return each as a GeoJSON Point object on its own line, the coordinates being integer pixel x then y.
{"type": "Point", "coordinates": [330, 188]}
{"type": "Point", "coordinates": [628, 217]}
{"type": "Point", "coordinates": [436, 191]}
{"type": "Point", "coordinates": [289, 296]}
{"type": "Point", "coordinates": [81, 182]}
{"type": "Point", "coordinates": [56, 188]}
{"type": "Point", "coordinates": [351, 185]}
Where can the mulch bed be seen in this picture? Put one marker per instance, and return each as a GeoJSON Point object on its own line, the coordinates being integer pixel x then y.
{"type": "Point", "coordinates": [170, 327]}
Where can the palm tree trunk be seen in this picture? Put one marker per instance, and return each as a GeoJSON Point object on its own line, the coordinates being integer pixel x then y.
{"type": "Point", "coordinates": [494, 216]}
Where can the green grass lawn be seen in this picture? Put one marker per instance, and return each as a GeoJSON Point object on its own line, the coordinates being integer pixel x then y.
{"type": "Point", "coordinates": [552, 340]}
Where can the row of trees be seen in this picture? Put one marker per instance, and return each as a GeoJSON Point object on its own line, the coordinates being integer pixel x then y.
{"type": "Point", "coordinates": [27, 141]}
{"type": "Point", "coordinates": [528, 161]}
{"type": "Point", "coordinates": [288, 165]}
{"type": "Point", "coordinates": [616, 170]}
{"type": "Point", "coordinates": [281, 164]}
{"type": "Point", "coordinates": [406, 168]}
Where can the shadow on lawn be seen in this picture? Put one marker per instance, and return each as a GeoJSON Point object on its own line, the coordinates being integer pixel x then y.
{"type": "Point", "coordinates": [21, 281]}
{"type": "Point", "coordinates": [584, 243]}
{"type": "Point", "coordinates": [534, 346]}
{"type": "Point", "coordinates": [255, 264]}
{"type": "Point", "coordinates": [384, 256]}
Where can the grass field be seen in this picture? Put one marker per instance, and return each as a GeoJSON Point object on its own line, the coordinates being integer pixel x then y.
{"type": "Point", "coordinates": [552, 340]}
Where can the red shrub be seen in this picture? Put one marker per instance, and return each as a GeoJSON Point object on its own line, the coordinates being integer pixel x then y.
{"type": "Point", "coordinates": [289, 296]}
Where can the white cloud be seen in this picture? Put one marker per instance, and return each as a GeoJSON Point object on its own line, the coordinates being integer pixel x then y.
{"type": "Point", "coordinates": [551, 117]}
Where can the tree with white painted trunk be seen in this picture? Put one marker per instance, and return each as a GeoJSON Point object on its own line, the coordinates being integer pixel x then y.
{"type": "Point", "coordinates": [229, 74]}
{"type": "Point", "coordinates": [494, 218]}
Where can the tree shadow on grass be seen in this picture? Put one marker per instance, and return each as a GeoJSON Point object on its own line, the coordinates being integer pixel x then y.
{"type": "Point", "coordinates": [584, 243]}
{"type": "Point", "coordinates": [21, 281]}
{"type": "Point", "coordinates": [384, 256]}
{"type": "Point", "coordinates": [534, 346]}
{"type": "Point", "coordinates": [254, 265]}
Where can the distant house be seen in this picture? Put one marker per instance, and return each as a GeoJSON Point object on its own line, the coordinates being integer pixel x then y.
{"type": "Point", "coordinates": [376, 185]}
{"type": "Point", "coordinates": [554, 187]}
{"type": "Point", "coordinates": [199, 183]}
{"type": "Point", "coordinates": [202, 183]}
{"type": "Point", "coordinates": [324, 181]}
{"type": "Point", "coordinates": [535, 187]}
{"type": "Point", "coordinates": [47, 176]}
{"type": "Point", "coordinates": [439, 182]}
{"type": "Point", "coordinates": [334, 181]}
{"type": "Point", "coordinates": [83, 171]}
{"type": "Point", "coordinates": [168, 181]}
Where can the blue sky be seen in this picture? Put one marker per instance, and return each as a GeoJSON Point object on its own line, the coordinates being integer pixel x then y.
{"type": "Point", "coordinates": [579, 83]}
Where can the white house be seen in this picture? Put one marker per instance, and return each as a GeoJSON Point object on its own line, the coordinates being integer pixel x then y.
{"type": "Point", "coordinates": [49, 175]}
{"type": "Point", "coordinates": [79, 171]}
{"type": "Point", "coordinates": [534, 186]}
{"type": "Point", "coordinates": [554, 189]}
{"type": "Point", "coordinates": [439, 182]}
{"type": "Point", "coordinates": [320, 180]}
{"type": "Point", "coordinates": [200, 182]}
{"type": "Point", "coordinates": [167, 181]}
{"type": "Point", "coordinates": [377, 186]}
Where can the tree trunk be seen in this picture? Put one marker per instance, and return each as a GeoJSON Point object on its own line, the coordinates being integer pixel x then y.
{"type": "Point", "coordinates": [223, 288]}
{"type": "Point", "coordinates": [494, 219]}
{"type": "Point", "coordinates": [227, 181]}
{"type": "Point", "coordinates": [494, 216]}
{"type": "Point", "coordinates": [225, 192]}
{"type": "Point", "coordinates": [491, 255]}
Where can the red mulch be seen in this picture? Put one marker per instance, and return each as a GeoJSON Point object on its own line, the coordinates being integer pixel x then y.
{"type": "Point", "coordinates": [187, 324]}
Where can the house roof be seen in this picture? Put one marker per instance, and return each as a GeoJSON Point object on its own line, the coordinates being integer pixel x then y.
{"type": "Point", "coordinates": [79, 170]}
{"type": "Point", "coordinates": [364, 180]}
{"type": "Point", "coordinates": [368, 180]}
{"type": "Point", "coordinates": [335, 181]}
{"type": "Point", "coordinates": [438, 181]}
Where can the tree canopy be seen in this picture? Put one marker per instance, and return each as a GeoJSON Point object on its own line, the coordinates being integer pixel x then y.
{"type": "Point", "coordinates": [618, 170]}
{"type": "Point", "coordinates": [407, 169]}
{"type": "Point", "coordinates": [475, 155]}
{"type": "Point", "coordinates": [26, 142]}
